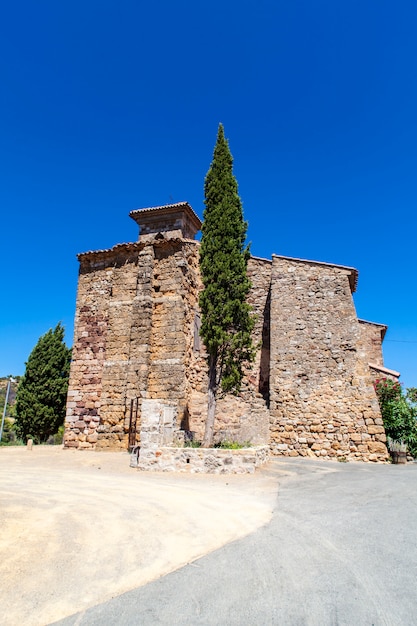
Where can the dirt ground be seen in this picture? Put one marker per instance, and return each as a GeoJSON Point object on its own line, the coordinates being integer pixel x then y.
{"type": "Point", "coordinates": [78, 528]}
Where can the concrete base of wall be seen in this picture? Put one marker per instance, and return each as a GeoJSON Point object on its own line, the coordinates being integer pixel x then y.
{"type": "Point", "coordinates": [203, 460]}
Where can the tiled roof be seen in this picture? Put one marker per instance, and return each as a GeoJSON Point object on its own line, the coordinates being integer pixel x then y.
{"type": "Point", "coordinates": [260, 258]}
{"type": "Point", "coordinates": [383, 327]}
{"type": "Point", "coordinates": [373, 323]}
{"type": "Point", "coordinates": [167, 207]}
{"type": "Point", "coordinates": [384, 370]}
{"type": "Point", "coordinates": [130, 246]}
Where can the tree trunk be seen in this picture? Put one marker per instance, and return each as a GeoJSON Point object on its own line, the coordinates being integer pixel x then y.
{"type": "Point", "coordinates": [211, 407]}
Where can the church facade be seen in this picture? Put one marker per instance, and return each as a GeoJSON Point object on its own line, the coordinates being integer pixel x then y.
{"type": "Point", "coordinates": [309, 391]}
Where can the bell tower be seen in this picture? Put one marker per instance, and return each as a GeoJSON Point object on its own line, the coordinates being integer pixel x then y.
{"type": "Point", "coordinates": [171, 221]}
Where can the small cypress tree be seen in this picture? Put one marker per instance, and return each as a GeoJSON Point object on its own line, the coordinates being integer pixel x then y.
{"type": "Point", "coordinates": [42, 392]}
{"type": "Point", "coordinates": [226, 323]}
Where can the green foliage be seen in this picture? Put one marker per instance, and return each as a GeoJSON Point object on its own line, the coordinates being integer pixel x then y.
{"type": "Point", "coordinates": [411, 395]}
{"type": "Point", "coordinates": [223, 445]}
{"type": "Point", "coordinates": [58, 438]}
{"type": "Point", "coordinates": [9, 437]}
{"type": "Point", "coordinates": [191, 443]}
{"type": "Point", "coordinates": [232, 445]}
{"type": "Point", "coordinates": [399, 412]}
{"type": "Point", "coordinates": [42, 392]}
{"type": "Point", "coordinates": [227, 322]}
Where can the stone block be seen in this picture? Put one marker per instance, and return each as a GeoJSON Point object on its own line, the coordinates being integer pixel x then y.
{"type": "Point", "coordinates": [317, 429]}
{"type": "Point", "coordinates": [376, 430]}
{"type": "Point", "coordinates": [84, 445]}
{"type": "Point", "coordinates": [71, 443]}
{"type": "Point", "coordinates": [377, 447]}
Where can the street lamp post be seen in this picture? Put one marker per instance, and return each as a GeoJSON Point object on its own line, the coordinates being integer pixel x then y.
{"type": "Point", "coordinates": [9, 383]}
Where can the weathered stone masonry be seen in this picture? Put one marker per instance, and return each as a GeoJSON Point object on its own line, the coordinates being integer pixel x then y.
{"type": "Point", "coordinates": [322, 398]}
{"type": "Point", "coordinates": [131, 339]}
{"type": "Point", "coordinates": [309, 391]}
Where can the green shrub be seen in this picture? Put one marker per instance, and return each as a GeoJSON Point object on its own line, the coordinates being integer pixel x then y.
{"type": "Point", "coordinates": [399, 412]}
{"type": "Point", "coordinates": [57, 438]}
{"type": "Point", "coordinates": [189, 443]}
{"type": "Point", "coordinates": [232, 445]}
{"type": "Point", "coordinates": [224, 445]}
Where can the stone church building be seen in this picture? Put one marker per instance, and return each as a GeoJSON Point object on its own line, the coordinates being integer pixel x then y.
{"type": "Point", "coordinates": [137, 350]}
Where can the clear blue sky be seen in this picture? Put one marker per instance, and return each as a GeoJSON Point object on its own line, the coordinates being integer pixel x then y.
{"type": "Point", "coordinates": [110, 106]}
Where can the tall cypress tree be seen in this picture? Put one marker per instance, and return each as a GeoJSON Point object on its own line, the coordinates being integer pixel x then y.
{"type": "Point", "coordinates": [42, 392]}
{"type": "Point", "coordinates": [226, 323]}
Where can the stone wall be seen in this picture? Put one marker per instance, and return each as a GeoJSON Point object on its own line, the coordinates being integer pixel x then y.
{"type": "Point", "coordinates": [259, 272]}
{"type": "Point", "coordinates": [203, 460]}
{"type": "Point", "coordinates": [136, 337]}
{"type": "Point", "coordinates": [162, 446]}
{"type": "Point", "coordinates": [88, 355]}
{"type": "Point", "coordinates": [126, 364]}
{"type": "Point", "coordinates": [129, 341]}
{"type": "Point", "coordinates": [322, 399]}
{"type": "Point", "coordinates": [372, 336]}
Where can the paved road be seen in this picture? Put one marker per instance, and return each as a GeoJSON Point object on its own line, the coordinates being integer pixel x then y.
{"type": "Point", "coordinates": [341, 549]}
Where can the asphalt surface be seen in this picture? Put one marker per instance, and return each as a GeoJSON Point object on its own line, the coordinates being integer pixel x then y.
{"type": "Point", "coordinates": [340, 549]}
